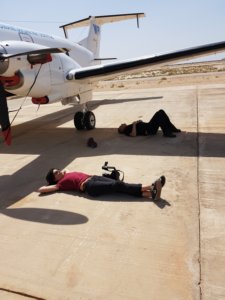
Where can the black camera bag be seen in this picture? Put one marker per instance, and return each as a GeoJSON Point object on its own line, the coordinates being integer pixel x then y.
{"type": "Point", "coordinates": [113, 172]}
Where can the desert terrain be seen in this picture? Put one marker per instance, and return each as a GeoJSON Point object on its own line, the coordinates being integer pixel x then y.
{"type": "Point", "coordinates": [181, 74]}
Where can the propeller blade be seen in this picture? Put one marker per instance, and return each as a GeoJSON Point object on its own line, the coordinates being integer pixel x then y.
{"type": "Point", "coordinates": [4, 116]}
{"type": "Point", "coordinates": [4, 56]}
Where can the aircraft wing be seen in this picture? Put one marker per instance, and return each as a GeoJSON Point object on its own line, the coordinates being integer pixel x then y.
{"type": "Point", "coordinates": [111, 70]}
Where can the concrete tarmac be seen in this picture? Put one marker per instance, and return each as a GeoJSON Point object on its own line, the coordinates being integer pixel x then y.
{"type": "Point", "coordinates": [67, 246]}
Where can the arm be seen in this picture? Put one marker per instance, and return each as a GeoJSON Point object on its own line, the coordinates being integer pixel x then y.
{"type": "Point", "coordinates": [133, 132]}
{"type": "Point", "coordinates": [48, 189]}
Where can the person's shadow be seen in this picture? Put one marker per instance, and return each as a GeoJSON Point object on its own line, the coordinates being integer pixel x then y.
{"type": "Point", "coordinates": [161, 203]}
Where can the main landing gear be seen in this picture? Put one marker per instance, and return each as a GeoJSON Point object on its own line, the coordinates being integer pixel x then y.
{"type": "Point", "coordinates": [84, 120]}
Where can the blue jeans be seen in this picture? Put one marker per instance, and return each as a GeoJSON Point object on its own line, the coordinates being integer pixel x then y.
{"type": "Point", "coordinates": [100, 185]}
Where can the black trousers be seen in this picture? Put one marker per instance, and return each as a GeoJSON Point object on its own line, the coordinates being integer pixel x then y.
{"type": "Point", "coordinates": [100, 185]}
{"type": "Point", "coordinates": [160, 119]}
{"type": "Point", "coordinates": [4, 114]}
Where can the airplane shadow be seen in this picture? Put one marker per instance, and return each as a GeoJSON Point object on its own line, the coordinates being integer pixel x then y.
{"type": "Point", "coordinates": [61, 149]}
{"type": "Point", "coordinates": [58, 118]}
{"type": "Point", "coordinates": [47, 216]}
{"type": "Point", "coordinates": [41, 141]}
{"type": "Point", "coordinates": [57, 147]}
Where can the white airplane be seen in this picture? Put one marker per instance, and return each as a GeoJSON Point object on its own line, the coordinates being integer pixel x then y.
{"type": "Point", "coordinates": [49, 68]}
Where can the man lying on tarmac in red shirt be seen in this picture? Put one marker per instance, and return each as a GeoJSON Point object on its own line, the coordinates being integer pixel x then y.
{"type": "Point", "coordinates": [93, 185]}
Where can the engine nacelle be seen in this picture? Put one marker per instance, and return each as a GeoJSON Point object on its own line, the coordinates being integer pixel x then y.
{"type": "Point", "coordinates": [8, 67]}
{"type": "Point", "coordinates": [42, 77]}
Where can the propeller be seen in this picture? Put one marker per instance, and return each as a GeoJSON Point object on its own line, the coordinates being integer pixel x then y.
{"type": "Point", "coordinates": [4, 116]}
{"type": "Point", "coordinates": [4, 56]}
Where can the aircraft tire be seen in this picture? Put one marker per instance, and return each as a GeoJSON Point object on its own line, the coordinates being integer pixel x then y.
{"type": "Point", "coordinates": [79, 120]}
{"type": "Point", "coordinates": [89, 120]}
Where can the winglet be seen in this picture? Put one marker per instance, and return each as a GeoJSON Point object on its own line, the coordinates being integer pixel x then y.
{"type": "Point", "coordinates": [7, 136]}
{"type": "Point", "coordinates": [100, 20]}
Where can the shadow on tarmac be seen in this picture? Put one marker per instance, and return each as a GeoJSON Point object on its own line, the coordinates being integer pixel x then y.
{"type": "Point", "coordinates": [61, 149]}
{"type": "Point", "coordinates": [47, 216]}
{"type": "Point", "coordinates": [57, 147]}
{"type": "Point", "coordinates": [161, 203]}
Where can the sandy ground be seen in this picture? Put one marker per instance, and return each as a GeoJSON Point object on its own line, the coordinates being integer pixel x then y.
{"type": "Point", "coordinates": [181, 75]}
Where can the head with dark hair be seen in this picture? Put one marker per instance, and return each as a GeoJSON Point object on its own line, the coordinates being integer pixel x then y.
{"type": "Point", "coordinates": [50, 177]}
{"type": "Point", "coordinates": [122, 128]}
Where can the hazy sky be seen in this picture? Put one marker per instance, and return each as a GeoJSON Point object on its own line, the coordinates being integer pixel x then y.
{"type": "Point", "coordinates": [168, 25]}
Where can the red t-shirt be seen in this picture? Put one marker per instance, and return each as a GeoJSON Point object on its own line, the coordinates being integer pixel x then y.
{"type": "Point", "coordinates": [72, 181]}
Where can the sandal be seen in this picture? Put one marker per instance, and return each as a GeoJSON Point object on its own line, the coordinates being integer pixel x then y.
{"type": "Point", "coordinates": [163, 180]}
{"type": "Point", "coordinates": [156, 191]}
{"type": "Point", "coordinates": [157, 187]}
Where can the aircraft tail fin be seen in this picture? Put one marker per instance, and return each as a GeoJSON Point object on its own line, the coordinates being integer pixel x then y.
{"type": "Point", "coordinates": [92, 41]}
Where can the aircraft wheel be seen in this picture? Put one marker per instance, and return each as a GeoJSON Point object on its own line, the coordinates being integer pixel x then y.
{"type": "Point", "coordinates": [89, 120]}
{"type": "Point", "coordinates": [79, 120]}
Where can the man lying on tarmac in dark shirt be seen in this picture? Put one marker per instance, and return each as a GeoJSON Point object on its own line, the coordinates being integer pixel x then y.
{"type": "Point", "coordinates": [160, 119]}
